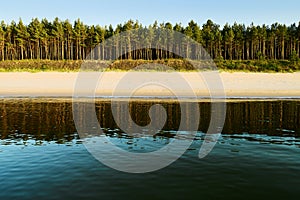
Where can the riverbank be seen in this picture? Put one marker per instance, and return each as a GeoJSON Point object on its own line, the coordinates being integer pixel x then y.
{"type": "Point", "coordinates": [149, 84]}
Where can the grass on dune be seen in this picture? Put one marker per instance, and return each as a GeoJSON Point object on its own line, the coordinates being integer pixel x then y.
{"type": "Point", "coordinates": [146, 65]}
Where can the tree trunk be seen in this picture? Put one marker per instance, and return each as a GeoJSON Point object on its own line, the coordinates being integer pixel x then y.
{"type": "Point", "coordinates": [282, 49]}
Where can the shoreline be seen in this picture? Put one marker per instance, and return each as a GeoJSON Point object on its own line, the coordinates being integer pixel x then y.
{"type": "Point", "coordinates": [237, 85]}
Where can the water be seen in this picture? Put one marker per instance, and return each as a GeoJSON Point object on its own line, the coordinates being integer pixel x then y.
{"type": "Point", "coordinates": [257, 156]}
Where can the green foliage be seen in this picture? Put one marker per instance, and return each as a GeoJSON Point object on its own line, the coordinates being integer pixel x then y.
{"type": "Point", "coordinates": [146, 65]}
{"type": "Point", "coordinates": [257, 65]}
{"type": "Point", "coordinates": [60, 40]}
{"type": "Point", "coordinates": [294, 57]}
{"type": "Point", "coordinates": [39, 65]}
{"type": "Point", "coordinates": [260, 56]}
{"type": "Point", "coordinates": [44, 45]}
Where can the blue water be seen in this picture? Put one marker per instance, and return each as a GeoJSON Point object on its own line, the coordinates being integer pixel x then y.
{"type": "Point", "coordinates": [236, 168]}
{"type": "Point", "coordinates": [241, 166]}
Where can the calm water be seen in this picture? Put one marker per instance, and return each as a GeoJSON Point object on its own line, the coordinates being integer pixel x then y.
{"type": "Point", "coordinates": [257, 156]}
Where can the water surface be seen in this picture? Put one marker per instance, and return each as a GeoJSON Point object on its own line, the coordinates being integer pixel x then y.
{"type": "Point", "coordinates": [257, 156]}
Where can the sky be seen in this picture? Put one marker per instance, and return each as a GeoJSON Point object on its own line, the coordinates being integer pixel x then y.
{"type": "Point", "coordinates": [147, 11]}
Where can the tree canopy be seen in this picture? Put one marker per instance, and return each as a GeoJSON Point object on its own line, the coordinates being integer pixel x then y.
{"type": "Point", "coordinates": [62, 40]}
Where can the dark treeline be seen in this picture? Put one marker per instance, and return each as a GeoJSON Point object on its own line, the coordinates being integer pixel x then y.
{"type": "Point", "coordinates": [61, 40]}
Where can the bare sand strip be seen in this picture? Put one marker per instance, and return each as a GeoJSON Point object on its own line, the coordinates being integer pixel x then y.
{"type": "Point", "coordinates": [148, 84]}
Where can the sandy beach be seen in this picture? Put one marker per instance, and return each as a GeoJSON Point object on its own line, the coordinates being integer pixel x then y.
{"type": "Point", "coordinates": [152, 84]}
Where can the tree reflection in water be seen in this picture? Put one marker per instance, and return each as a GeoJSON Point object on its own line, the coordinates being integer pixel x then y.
{"type": "Point", "coordinates": [52, 120]}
